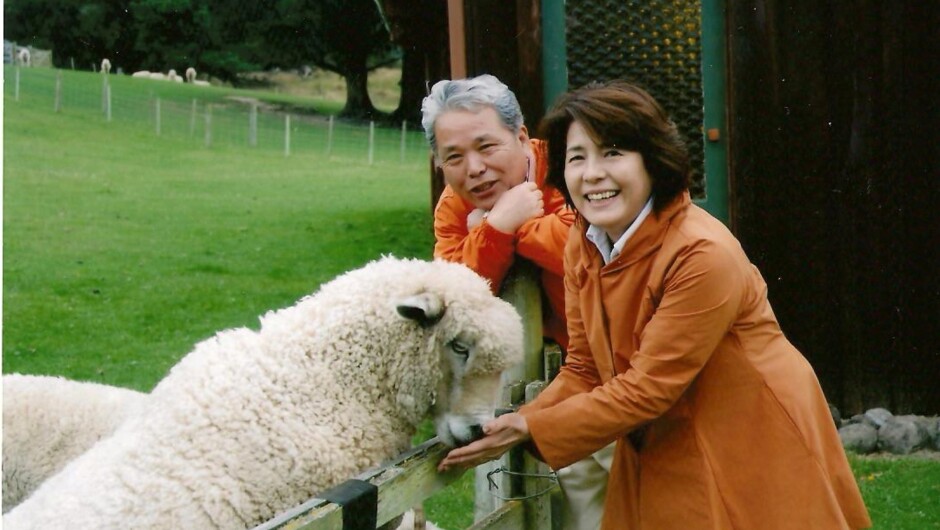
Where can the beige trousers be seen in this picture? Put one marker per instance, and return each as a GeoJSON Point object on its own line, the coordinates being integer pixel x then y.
{"type": "Point", "coordinates": [584, 485]}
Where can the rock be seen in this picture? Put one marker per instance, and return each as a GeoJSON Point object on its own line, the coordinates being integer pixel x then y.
{"type": "Point", "coordinates": [860, 438]}
{"type": "Point", "coordinates": [836, 415]}
{"type": "Point", "coordinates": [932, 424]}
{"type": "Point", "coordinates": [877, 416]}
{"type": "Point", "coordinates": [901, 435]}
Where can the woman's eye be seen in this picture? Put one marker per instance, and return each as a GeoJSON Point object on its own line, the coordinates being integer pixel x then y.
{"type": "Point", "coordinates": [574, 158]}
{"type": "Point", "coordinates": [612, 152]}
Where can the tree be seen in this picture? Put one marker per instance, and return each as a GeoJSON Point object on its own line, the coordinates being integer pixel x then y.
{"type": "Point", "coordinates": [343, 36]}
{"type": "Point", "coordinates": [419, 27]}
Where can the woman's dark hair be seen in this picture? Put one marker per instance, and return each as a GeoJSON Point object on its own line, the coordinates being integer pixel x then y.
{"type": "Point", "coordinates": [619, 114]}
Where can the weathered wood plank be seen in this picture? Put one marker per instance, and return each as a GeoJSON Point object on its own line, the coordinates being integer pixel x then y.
{"type": "Point", "coordinates": [510, 516]}
{"type": "Point", "coordinates": [402, 483]}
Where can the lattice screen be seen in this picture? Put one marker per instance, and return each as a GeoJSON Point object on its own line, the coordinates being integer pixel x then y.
{"type": "Point", "coordinates": [653, 43]}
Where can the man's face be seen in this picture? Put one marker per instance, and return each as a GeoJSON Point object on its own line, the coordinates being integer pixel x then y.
{"type": "Point", "coordinates": [480, 158]}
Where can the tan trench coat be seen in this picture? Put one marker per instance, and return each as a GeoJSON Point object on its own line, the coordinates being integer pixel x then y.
{"type": "Point", "coordinates": [675, 342]}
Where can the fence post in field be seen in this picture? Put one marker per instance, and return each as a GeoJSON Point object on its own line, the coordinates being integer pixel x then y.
{"type": "Point", "coordinates": [253, 125]}
{"type": "Point", "coordinates": [404, 130]}
{"type": "Point", "coordinates": [16, 91]}
{"type": "Point", "coordinates": [58, 92]}
{"type": "Point", "coordinates": [104, 93]}
{"type": "Point", "coordinates": [371, 141]}
{"type": "Point", "coordinates": [208, 137]}
{"type": "Point", "coordinates": [287, 135]}
{"type": "Point", "coordinates": [156, 105]}
{"type": "Point", "coordinates": [192, 119]}
{"type": "Point", "coordinates": [329, 138]}
{"type": "Point", "coordinates": [107, 102]}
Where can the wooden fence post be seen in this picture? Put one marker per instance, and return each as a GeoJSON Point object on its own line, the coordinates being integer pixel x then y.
{"type": "Point", "coordinates": [208, 132]}
{"type": "Point", "coordinates": [404, 136]}
{"type": "Point", "coordinates": [371, 141]}
{"type": "Point", "coordinates": [329, 138]}
{"type": "Point", "coordinates": [192, 119]}
{"type": "Point", "coordinates": [521, 289]}
{"type": "Point", "coordinates": [287, 135]}
{"type": "Point", "coordinates": [58, 92]}
{"type": "Point", "coordinates": [157, 114]}
{"type": "Point", "coordinates": [107, 102]}
{"type": "Point", "coordinates": [253, 125]}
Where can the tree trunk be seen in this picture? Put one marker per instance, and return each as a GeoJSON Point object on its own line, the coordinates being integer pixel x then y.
{"type": "Point", "coordinates": [358, 103]}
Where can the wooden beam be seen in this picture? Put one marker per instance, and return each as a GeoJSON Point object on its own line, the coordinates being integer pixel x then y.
{"type": "Point", "coordinates": [458, 39]}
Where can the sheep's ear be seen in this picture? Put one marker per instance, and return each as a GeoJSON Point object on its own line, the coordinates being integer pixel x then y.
{"type": "Point", "coordinates": [424, 308]}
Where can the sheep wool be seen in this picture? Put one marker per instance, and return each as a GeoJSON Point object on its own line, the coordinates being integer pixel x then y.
{"type": "Point", "coordinates": [251, 423]}
{"type": "Point", "coordinates": [48, 421]}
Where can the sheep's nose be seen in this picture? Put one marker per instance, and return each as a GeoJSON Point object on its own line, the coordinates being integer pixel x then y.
{"type": "Point", "coordinates": [475, 433]}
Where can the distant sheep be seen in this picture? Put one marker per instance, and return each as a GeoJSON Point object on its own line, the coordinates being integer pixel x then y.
{"type": "Point", "coordinates": [173, 76]}
{"type": "Point", "coordinates": [48, 421]}
{"type": "Point", "coordinates": [253, 422]}
{"type": "Point", "coordinates": [190, 74]}
{"type": "Point", "coordinates": [160, 76]}
{"type": "Point", "coordinates": [105, 66]}
{"type": "Point", "coordinates": [23, 57]}
{"type": "Point", "coordinates": [141, 73]}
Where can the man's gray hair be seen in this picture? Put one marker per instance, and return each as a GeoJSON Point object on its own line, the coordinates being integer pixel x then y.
{"type": "Point", "coordinates": [471, 95]}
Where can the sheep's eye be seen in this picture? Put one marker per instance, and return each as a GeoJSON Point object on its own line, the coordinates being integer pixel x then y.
{"type": "Point", "coordinates": [460, 348]}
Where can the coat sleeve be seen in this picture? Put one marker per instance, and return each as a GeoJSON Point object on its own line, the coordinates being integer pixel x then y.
{"type": "Point", "coordinates": [484, 249]}
{"type": "Point", "coordinates": [579, 373]}
{"type": "Point", "coordinates": [701, 294]}
{"type": "Point", "coordinates": [542, 240]}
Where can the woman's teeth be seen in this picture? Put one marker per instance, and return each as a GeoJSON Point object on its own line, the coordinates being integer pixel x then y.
{"type": "Point", "coordinates": [601, 196]}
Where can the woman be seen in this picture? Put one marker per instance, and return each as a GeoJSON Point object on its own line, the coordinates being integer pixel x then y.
{"type": "Point", "coordinates": [674, 351]}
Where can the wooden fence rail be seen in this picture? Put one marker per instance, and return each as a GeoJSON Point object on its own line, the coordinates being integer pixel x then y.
{"type": "Point", "coordinates": [513, 493]}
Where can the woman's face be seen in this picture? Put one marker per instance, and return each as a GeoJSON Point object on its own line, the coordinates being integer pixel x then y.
{"type": "Point", "coordinates": [608, 186]}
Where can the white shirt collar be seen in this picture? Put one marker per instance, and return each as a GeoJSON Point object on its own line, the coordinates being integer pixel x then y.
{"type": "Point", "coordinates": [598, 236]}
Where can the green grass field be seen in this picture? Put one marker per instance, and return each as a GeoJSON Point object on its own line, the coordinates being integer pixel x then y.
{"type": "Point", "coordinates": [122, 249]}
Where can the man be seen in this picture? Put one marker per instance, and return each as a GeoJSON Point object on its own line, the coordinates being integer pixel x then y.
{"type": "Point", "coordinates": [497, 206]}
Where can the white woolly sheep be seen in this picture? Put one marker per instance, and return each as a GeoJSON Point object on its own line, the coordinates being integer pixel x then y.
{"type": "Point", "coordinates": [254, 422]}
{"type": "Point", "coordinates": [105, 66]}
{"type": "Point", "coordinates": [141, 73]}
{"type": "Point", "coordinates": [23, 57]}
{"type": "Point", "coordinates": [173, 76]}
{"type": "Point", "coordinates": [48, 421]}
{"type": "Point", "coordinates": [190, 74]}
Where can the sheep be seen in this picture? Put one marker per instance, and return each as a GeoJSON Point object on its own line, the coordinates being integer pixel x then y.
{"type": "Point", "coordinates": [105, 66]}
{"type": "Point", "coordinates": [199, 82]}
{"type": "Point", "coordinates": [253, 422]}
{"type": "Point", "coordinates": [159, 76]}
{"type": "Point", "coordinates": [141, 73]}
{"type": "Point", "coordinates": [23, 57]}
{"type": "Point", "coordinates": [48, 421]}
{"type": "Point", "coordinates": [173, 76]}
{"type": "Point", "coordinates": [190, 74]}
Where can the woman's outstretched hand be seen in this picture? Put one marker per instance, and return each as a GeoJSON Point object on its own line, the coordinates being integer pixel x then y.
{"type": "Point", "coordinates": [500, 435]}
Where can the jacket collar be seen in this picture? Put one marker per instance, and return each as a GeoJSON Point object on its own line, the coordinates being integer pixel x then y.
{"type": "Point", "coordinates": [647, 239]}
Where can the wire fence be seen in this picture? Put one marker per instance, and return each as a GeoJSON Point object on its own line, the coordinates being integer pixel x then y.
{"type": "Point", "coordinates": [172, 110]}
